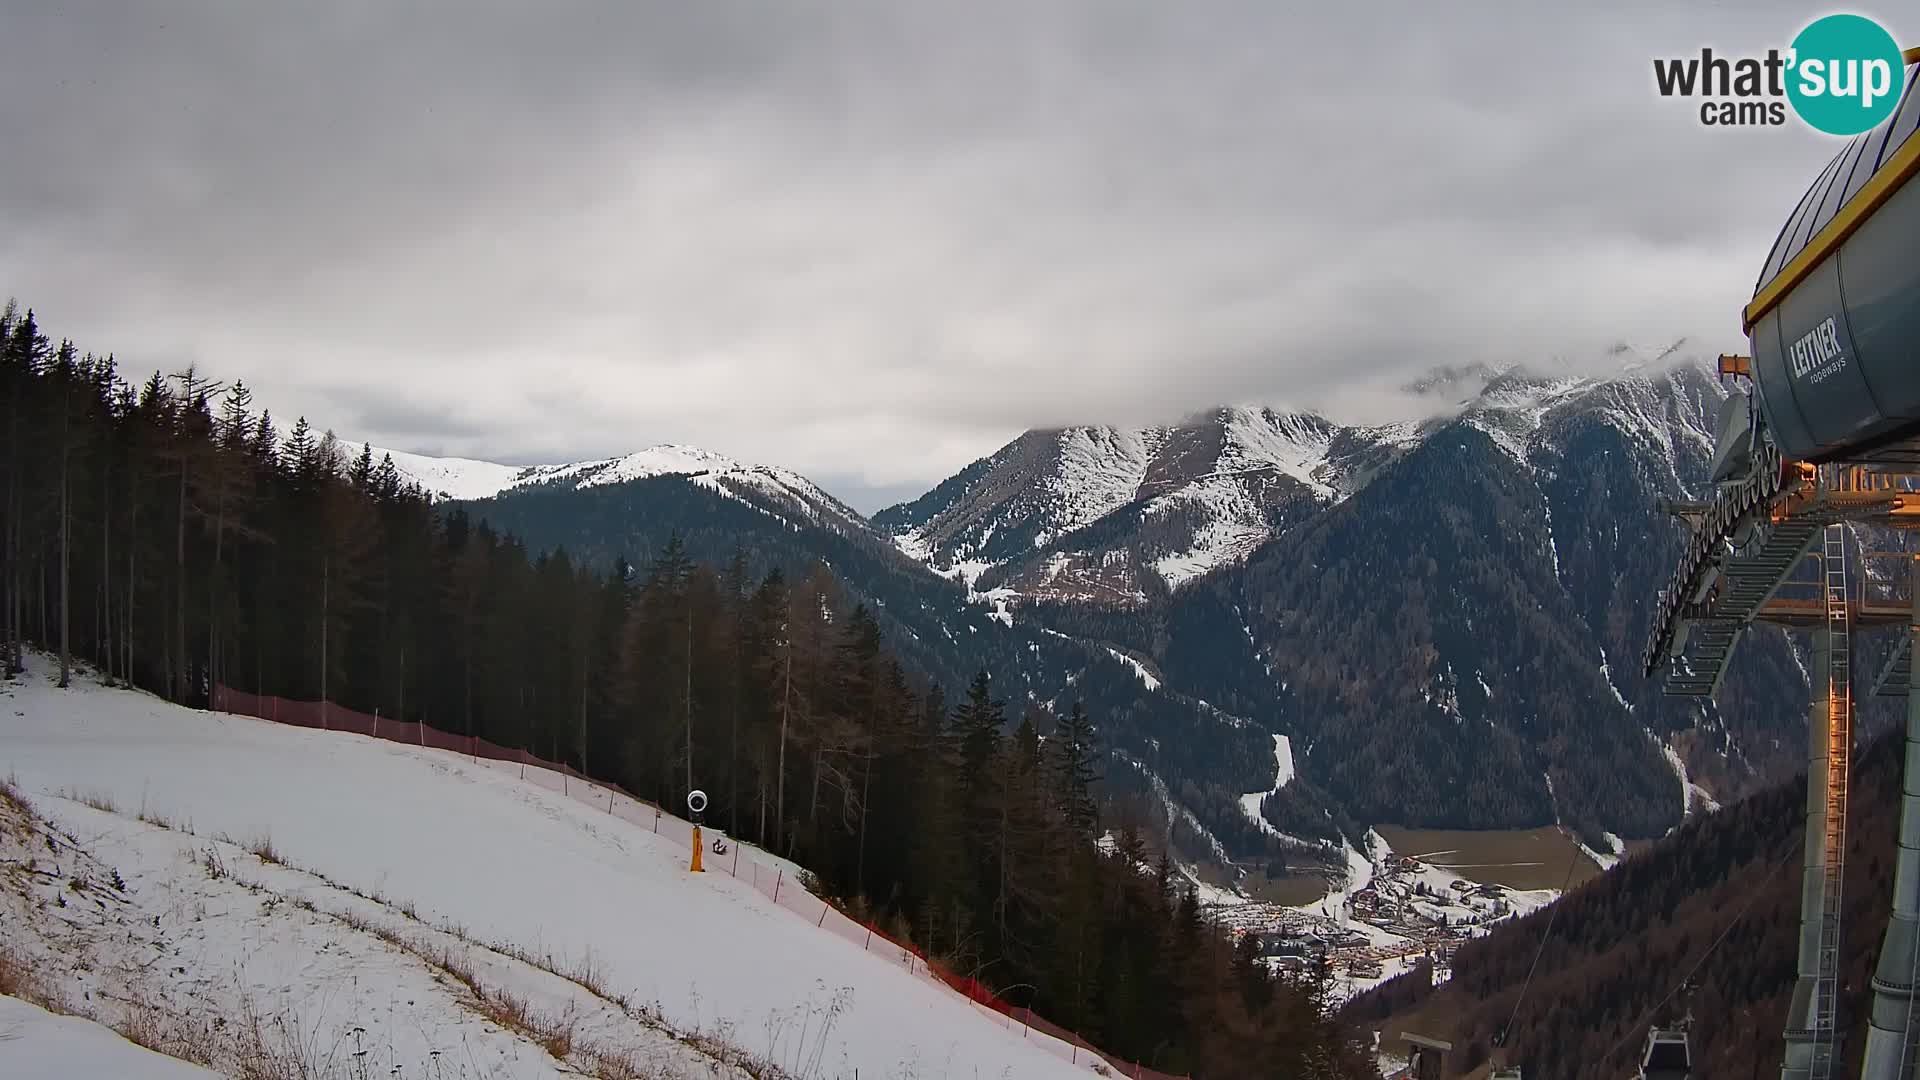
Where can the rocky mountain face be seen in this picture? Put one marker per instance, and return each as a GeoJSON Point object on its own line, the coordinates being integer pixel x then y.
{"type": "Point", "coordinates": [1123, 516]}
{"type": "Point", "coordinates": [1443, 616]}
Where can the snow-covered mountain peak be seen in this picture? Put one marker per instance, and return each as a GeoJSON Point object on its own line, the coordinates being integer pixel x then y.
{"type": "Point", "coordinates": [665, 459]}
{"type": "Point", "coordinates": [780, 492]}
{"type": "Point", "coordinates": [452, 477]}
{"type": "Point", "coordinates": [1296, 444]}
{"type": "Point", "coordinates": [1098, 469]}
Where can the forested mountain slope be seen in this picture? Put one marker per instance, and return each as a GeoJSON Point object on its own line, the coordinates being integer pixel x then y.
{"type": "Point", "coordinates": [1624, 942]}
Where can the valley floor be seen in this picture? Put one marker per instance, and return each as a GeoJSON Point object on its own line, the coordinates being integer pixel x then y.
{"type": "Point", "coordinates": [1405, 899]}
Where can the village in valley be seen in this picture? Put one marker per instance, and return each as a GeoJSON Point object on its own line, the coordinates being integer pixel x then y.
{"type": "Point", "coordinates": [1392, 912]}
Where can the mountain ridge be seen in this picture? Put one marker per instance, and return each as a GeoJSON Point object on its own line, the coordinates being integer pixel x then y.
{"type": "Point", "coordinates": [1209, 585]}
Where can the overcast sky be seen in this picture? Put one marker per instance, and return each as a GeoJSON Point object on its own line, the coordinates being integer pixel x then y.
{"type": "Point", "coordinates": [871, 241]}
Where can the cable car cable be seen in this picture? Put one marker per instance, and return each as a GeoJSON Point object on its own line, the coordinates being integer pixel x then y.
{"type": "Point", "coordinates": [1506, 1033]}
{"type": "Point", "coordinates": [1779, 864]}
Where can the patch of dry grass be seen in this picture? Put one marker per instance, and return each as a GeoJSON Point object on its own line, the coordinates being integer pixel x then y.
{"type": "Point", "coordinates": [10, 796]}
{"type": "Point", "coordinates": [148, 1023]}
{"type": "Point", "coordinates": [15, 976]}
{"type": "Point", "coordinates": [99, 800]}
{"type": "Point", "coordinates": [161, 820]}
{"type": "Point", "coordinates": [263, 849]}
{"type": "Point", "coordinates": [213, 864]}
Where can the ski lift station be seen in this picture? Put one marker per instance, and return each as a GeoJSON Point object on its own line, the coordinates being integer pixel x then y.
{"type": "Point", "coordinates": [1820, 438]}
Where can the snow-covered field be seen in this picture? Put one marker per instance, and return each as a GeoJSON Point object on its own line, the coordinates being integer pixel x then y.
{"type": "Point", "coordinates": [38, 1045]}
{"type": "Point", "coordinates": [412, 897]}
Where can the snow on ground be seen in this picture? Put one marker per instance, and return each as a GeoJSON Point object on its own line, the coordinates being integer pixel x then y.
{"type": "Point", "coordinates": [1605, 860]}
{"type": "Point", "coordinates": [1690, 792]}
{"type": "Point", "coordinates": [452, 478]}
{"type": "Point", "coordinates": [1215, 545]}
{"type": "Point", "coordinates": [1211, 895]}
{"type": "Point", "coordinates": [1099, 470]}
{"type": "Point", "coordinates": [38, 1045]}
{"type": "Point", "coordinates": [1174, 810]}
{"type": "Point", "coordinates": [1351, 986]}
{"type": "Point", "coordinates": [1606, 672]}
{"type": "Point", "coordinates": [153, 928]}
{"type": "Point", "coordinates": [456, 843]}
{"type": "Point", "coordinates": [662, 460]}
{"type": "Point", "coordinates": [1511, 409]}
{"type": "Point", "coordinates": [1295, 444]}
{"type": "Point", "coordinates": [1527, 901]}
{"type": "Point", "coordinates": [1139, 668]}
{"type": "Point", "coordinates": [1359, 876]}
{"type": "Point", "coordinates": [1283, 772]}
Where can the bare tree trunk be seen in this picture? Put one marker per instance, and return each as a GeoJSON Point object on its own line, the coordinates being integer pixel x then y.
{"type": "Point", "coordinates": [813, 796]}
{"type": "Point", "coordinates": [213, 580]}
{"type": "Point", "coordinates": [133, 548]}
{"type": "Point", "coordinates": [66, 545]}
{"type": "Point", "coordinates": [178, 679]}
{"type": "Point", "coordinates": [10, 615]}
{"type": "Point", "coordinates": [326, 575]}
{"type": "Point", "coordinates": [733, 744]}
{"type": "Point", "coordinates": [468, 684]}
{"type": "Point", "coordinates": [786, 707]}
{"type": "Point", "coordinates": [866, 786]}
{"type": "Point", "coordinates": [105, 629]}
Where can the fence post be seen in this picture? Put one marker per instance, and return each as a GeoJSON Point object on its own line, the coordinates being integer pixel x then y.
{"type": "Point", "coordinates": [776, 885]}
{"type": "Point", "coordinates": [823, 914]}
{"type": "Point", "coordinates": [656, 821]}
{"type": "Point", "coordinates": [376, 721]}
{"type": "Point", "coordinates": [736, 858]}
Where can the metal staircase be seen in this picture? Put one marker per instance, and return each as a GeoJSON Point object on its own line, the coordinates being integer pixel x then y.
{"type": "Point", "coordinates": [1892, 680]}
{"type": "Point", "coordinates": [1833, 568]}
{"type": "Point", "coordinates": [1735, 558]}
{"type": "Point", "coordinates": [1745, 580]}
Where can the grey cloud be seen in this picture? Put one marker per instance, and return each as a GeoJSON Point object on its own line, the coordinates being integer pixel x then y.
{"type": "Point", "coordinates": [870, 240]}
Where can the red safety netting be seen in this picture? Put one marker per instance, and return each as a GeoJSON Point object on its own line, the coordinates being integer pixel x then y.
{"type": "Point", "coordinates": [771, 876]}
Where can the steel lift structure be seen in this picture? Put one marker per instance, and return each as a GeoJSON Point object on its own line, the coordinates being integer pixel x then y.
{"type": "Point", "coordinates": [1817, 448]}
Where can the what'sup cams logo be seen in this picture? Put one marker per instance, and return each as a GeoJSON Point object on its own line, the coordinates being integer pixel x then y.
{"type": "Point", "coordinates": [1842, 75]}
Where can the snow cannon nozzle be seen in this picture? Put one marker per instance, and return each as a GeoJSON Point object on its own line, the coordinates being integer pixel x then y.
{"type": "Point", "coordinates": [697, 805]}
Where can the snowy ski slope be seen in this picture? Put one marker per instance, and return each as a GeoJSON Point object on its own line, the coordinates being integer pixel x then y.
{"type": "Point", "coordinates": [474, 846]}
{"type": "Point", "coordinates": [38, 1045]}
